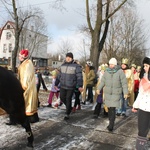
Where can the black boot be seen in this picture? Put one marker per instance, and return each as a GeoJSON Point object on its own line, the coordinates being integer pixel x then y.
{"type": "Point", "coordinates": [141, 143]}
{"type": "Point", "coordinates": [111, 116]}
{"type": "Point", "coordinates": [11, 123]}
{"type": "Point", "coordinates": [12, 120]}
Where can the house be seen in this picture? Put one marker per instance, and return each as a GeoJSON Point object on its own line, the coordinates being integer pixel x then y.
{"type": "Point", "coordinates": [35, 42]}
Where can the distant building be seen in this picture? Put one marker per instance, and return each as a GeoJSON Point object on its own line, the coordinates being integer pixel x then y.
{"type": "Point", "coordinates": [56, 64]}
{"type": "Point", "coordinates": [35, 42]}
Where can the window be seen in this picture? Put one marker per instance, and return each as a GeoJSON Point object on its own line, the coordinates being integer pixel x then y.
{"type": "Point", "coordinates": [4, 48]}
{"type": "Point", "coordinates": [10, 48]}
{"type": "Point", "coordinates": [8, 35]}
{"type": "Point", "coordinates": [8, 26]}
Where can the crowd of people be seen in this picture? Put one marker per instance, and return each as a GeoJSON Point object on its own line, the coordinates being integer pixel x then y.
{"type": "Point", "coordinates": [115, 88]}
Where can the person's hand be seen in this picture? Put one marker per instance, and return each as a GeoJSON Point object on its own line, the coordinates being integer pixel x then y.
{"type": "Point", "coordinates": [98, 92]}
{"type": "Point", "coordinates": [134, 110]}
{"type": "Point", "coordinates": [55, 87]}
{"type": "Point", "coordinates": [80, 89]}
{"type": "Point", "coordinates": [126, 96]}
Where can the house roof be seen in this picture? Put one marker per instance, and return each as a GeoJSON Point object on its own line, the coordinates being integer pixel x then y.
{"type": "Point", "coordinates": [8, 22]}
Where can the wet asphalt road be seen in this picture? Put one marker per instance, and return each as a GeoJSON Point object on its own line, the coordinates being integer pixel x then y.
{"type": "Point", "coordinates": [80, 132]}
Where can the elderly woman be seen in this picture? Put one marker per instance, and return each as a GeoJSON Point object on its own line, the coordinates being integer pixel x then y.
{"type": "Point", "coordinates": [113, 83]}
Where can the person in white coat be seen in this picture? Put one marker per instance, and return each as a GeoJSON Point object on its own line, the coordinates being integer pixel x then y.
{"type": "Point", "coordinates": [142, 105]}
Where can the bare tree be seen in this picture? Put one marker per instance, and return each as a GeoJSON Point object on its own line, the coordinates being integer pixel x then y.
{"type": "Point", "coordinates": [125, 38]}
{"type": "Point", "coordinates": [99, 29]}
{"type": "Point", "coordinates": [64, 47]}
{"type": "Point", "coordinates": [83, 51]}
{"type": "Point", "coordinates": [33, 34]}
{"type": "Point", "coordinates": [19, 23]}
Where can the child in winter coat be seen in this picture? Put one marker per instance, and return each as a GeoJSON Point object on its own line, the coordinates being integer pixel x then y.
{"type": "Point", "coordinates": [77, 105]}
{"type": "Point", "coordinates": [99, 99]}
{"type": "Point", "coordinates": [53, 90]}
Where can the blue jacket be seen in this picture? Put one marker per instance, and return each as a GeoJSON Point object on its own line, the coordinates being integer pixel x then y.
{"type": "Point", "coordinates": [70, 76]}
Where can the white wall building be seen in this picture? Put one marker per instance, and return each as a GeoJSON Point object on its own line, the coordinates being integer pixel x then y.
{"type": "Point", "coordinates": [29, 39]}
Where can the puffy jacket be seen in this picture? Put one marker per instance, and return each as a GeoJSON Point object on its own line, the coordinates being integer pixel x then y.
{"type": "Point", "coordinates": [114, 83]}
{"type": "Point", "coordinates": [70, 76]}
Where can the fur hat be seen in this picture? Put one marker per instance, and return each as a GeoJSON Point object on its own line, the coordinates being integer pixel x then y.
{"type": "Point", "coordinates": [69, 55]}
{"type": "Point", "coordinates": [146, 60]}
{"type": "Point", "coordinates": [24, 53]}
{"type": "Point", "coordinates": [113, 61]}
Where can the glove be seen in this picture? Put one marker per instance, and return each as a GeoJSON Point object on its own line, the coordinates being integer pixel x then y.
{"type": "Point", "coordinates": [126, 96]}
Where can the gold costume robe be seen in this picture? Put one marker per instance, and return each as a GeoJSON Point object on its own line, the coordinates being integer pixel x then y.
{"type": "Point", "coordinates": [27, 79]}
{"type": "Point", "coordinates": [130, 80]}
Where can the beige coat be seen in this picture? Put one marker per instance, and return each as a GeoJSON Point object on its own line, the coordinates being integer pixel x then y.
{"type": "Point", "coordinates": [130, 80]}
{"type": "Point", "coordinates": [27, 78]}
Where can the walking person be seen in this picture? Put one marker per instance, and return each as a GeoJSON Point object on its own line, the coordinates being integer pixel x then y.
{"type": "Point", "coordinates": [70, 77]}
{"type": "Point", "coordinates": [26, 76]}
{"type": "Point", "coordinates": [113, 83]}
{"type": "Point", "coordinates": [39, 81]}
{"type": "Point", "coordinates": [130, 81]}
{"type": "Point", "coordinates": [89, 82]}
{"type": "Point", "coordinates": [53, 90]}
{"type": "Point", "coordinates": [142, 103]}
{"type": "Point", "coordinates": [99, 98]}
{"type": "Point", "coordinates": [77, 93]}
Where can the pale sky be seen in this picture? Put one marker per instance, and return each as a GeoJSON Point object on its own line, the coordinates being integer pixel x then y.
{"type": "Point", "coordinates": [63, 24]}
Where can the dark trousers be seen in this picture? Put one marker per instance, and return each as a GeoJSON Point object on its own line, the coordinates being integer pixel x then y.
{"type": "Point", "coordinates": [97, 109]}
{"type": "Point", "coordinates": [90, 93]}
{"type": "Point", "coordinates": [143, 123]}
{"type": "Point", "coordinates": [111, 116]}
{"type": "Point", "coordinates": [77, 100]}
{"type": "Point", "coordinates": [66, 97]}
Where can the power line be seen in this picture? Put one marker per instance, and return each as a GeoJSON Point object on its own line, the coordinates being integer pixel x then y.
{"type": "Point", "coordinates": [30, 5]}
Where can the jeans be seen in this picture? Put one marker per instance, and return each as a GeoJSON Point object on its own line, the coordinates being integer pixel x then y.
{"type": "Point", "coordinates": [123, 105]}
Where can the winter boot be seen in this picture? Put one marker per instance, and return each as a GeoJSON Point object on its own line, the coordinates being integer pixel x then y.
{"type": "Point", "coordinates": [141, 143]}
{"type": "Point", "coordinates": [111, 116]}
{"type": "Point", "coordinates": [74, 109]}
{"type": "Point", "coordinates": [79, 107]}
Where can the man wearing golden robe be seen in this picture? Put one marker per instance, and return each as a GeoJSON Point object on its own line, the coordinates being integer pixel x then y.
{"type": "Point", "coordinates": [130, 80]}
{"type": "Point", "coordinates": [27, 78]}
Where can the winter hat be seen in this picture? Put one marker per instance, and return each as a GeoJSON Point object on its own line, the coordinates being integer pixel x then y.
{"type": "Point", "coordinates": [53, 73]}
{"type": "Point", "coordinates": [69, 55]}
{"type": "Point", "coordinates": [89, 63]}
{"type": "Point", "coordinates": [146, 60]}
{"type": "Point", "coordinates": [113, 61]}
{"type": "Point", "coordinates": [24, 53]}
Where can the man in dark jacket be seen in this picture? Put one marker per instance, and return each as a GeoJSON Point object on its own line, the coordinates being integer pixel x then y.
{"type": "Point", "coordinates": [70, 77]}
